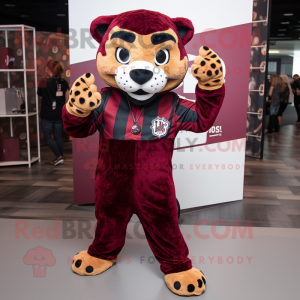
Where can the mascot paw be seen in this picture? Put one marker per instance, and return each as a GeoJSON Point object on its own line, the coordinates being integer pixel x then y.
{"type": "Point", "coordinates": [187, 283]}
{"type": "Point", "coordinates": [84, 264]}
{"type": "Point", "coordinates": [207, 69]}
{"type": "Point", "coordinates": [83, 96]}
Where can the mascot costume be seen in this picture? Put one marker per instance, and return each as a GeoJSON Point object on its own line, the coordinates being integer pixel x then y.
{"type": "Point", "coordinates": [141, 58]}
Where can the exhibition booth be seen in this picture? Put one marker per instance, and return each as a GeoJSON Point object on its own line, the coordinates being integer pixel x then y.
{"type": "Point", "coordinates": [201, 160]}
{"type": "Point", "coordinates": [24, 53]}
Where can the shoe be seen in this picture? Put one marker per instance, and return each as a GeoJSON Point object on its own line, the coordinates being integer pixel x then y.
{"type": "Point", "coordinates": [58, 161]}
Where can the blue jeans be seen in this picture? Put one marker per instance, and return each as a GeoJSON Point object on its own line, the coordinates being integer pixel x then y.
{"type": "Point", "coordinates": [274, 109]}
{"type": "Point", "coordinates": [50, 128]}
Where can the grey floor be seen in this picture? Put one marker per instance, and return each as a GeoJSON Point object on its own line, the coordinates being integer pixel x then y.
{"type": "Point", "coordinates": [263, 264]}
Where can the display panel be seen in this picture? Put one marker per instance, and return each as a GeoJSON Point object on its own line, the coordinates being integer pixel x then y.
{"type": "Point", "coordinates": [257, 79]}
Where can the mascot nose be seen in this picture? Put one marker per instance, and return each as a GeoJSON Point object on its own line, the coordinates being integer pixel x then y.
{"type": "Point", "coordinates": [140, 76]}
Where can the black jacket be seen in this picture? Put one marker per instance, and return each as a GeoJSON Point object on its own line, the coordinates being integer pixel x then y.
{"type": "Point", "coordinates": [47, 90]}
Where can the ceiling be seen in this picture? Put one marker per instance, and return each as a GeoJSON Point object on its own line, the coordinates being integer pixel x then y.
{"type": "Point", "coordinates": [41, 14]}
{"type": "Point", "coordinates": [49, 15]}
{"type": "Point", "coordinates": [290, 31]}
{"type": "Point", "coordinates": [285, 45]}
{"type": "Point", "coordinates": [285, 48]}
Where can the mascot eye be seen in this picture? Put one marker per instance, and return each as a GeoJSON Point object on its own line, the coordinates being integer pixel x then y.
{"type": "Point", "coordinates": [162, 57]}
{"type": "Point", "coordinates": [122, 55]}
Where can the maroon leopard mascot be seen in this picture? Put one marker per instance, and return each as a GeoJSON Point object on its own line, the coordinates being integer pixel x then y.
{"type": "Point", "coordinates": [141, 58]}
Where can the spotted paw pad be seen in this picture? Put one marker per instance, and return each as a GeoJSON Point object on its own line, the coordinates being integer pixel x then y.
{"type": "Point", "coordinates": [83, 95]}
{"type": "Point", "coordinates": [187, 283]}
{"type": "Point", "coordinates": [85, 264]}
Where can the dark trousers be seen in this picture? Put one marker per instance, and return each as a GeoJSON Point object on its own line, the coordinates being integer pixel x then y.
{"type": "Point", "coordinates": [273, 124]}
{"type": "Point", "coordinates": [297, 106]}
{"type": "Point", "coordinates": [54, 128]}
{"type": "Point", "coordinates": [282, 108]}
{"type": "Point", "coordinates": [273, 121]}
{"type": "Point", "coordinates": [135, 177]}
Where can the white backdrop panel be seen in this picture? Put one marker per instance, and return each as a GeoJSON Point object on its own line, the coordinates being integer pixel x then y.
{"type": "Point", "coordinates": [209, 174]}
{"type": "Point", "coordinates": [203, 175]}
{"type": "Point", "coordinates": [204, 14]}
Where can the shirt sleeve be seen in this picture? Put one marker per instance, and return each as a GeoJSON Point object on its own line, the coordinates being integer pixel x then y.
{"type": "Point", "coordinates": [84, 127]}
{"type": "Point", "coordinates": [200, 115]}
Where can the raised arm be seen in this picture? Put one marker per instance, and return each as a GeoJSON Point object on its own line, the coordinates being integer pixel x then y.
{"type": "Point", "coordinates": [82, 114]}
{"type": "Point", "coordinates": [199, 116]}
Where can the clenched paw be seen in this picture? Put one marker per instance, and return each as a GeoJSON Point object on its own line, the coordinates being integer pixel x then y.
{"type": "Point", "coordinates": [187, 283]}
{"type": "Point", "coordinates": [83, 96]}
{"type": "Point", "coordinates": [208, 70]}
{"type": "Point", "coordinates": [84, 264]}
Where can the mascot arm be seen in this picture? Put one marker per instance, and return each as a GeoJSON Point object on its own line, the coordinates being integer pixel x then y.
{"type": "Point", "coordinates": [210, 93]}
{"type": "Point", "coordinates": [199, 116]}
{"type": "Point", "coordinates": [82, 114]}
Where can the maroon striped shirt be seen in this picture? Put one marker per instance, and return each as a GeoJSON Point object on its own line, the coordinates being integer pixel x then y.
{"type": "Point", "coordinates": [162, 118]}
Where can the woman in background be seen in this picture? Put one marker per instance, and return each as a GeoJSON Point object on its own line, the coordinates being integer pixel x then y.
{"type": "Point", "coordinates": [54, 91]}
{"type": "Point", "coordinates": [296, 89]}
{"type": "Point", "coordinates": [274, 95]}
{"type": "Point", "coordinates": [285, 95]}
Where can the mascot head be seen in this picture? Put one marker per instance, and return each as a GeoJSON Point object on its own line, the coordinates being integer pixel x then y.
{"type": "Point", "coordinates": [142, 52]}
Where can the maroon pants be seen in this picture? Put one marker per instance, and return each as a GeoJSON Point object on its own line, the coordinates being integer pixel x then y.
{"type": "Point", "coordinates": [135, 177]}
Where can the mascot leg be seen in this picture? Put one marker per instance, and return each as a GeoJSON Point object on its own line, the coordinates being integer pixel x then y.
{"type": "Point", "coordinates": [109, 239]}
{"type": "Point", "coordinates": [113, 210]}
{"type": "Point", "coordinates": [158, 215]}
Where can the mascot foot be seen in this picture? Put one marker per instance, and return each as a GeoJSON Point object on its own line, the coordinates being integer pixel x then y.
{"type": "Point", "coordinates": [187, 283]}
{"type": "Point", "coordinates": [84, 264]}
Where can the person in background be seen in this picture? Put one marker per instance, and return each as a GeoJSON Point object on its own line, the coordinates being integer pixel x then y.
{"type": "Point", "coordinates": [274, 96]}
{"type": "Point", "coordinates": [285, 95]}
{"type": "Point", "coordinates": [54, 91]}
{"type": "Point", "coordinates": [268, 83]}
{"type": "Point", "coordinates": [296, 91]}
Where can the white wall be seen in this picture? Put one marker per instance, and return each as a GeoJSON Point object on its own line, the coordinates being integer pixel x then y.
{"type": "Point", "coordinates": [204, 14]}
{"type": "Point", "coordinates": [210, 174]}
{"type": "Point", "coordinates": [296, 65]}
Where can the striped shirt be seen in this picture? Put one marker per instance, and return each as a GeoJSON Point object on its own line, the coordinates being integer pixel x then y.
{"type": "Point", "coordinates": [162, 118]}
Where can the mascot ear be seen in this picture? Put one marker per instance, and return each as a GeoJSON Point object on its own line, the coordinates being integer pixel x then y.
{"type": "Point", "coordinates": [99, 27]}
{"type": "Point", "coordinates": [185, 29]}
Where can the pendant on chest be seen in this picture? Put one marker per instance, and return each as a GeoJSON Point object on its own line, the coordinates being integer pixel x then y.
{"type": "Point", "coordinates": [135, 129]}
